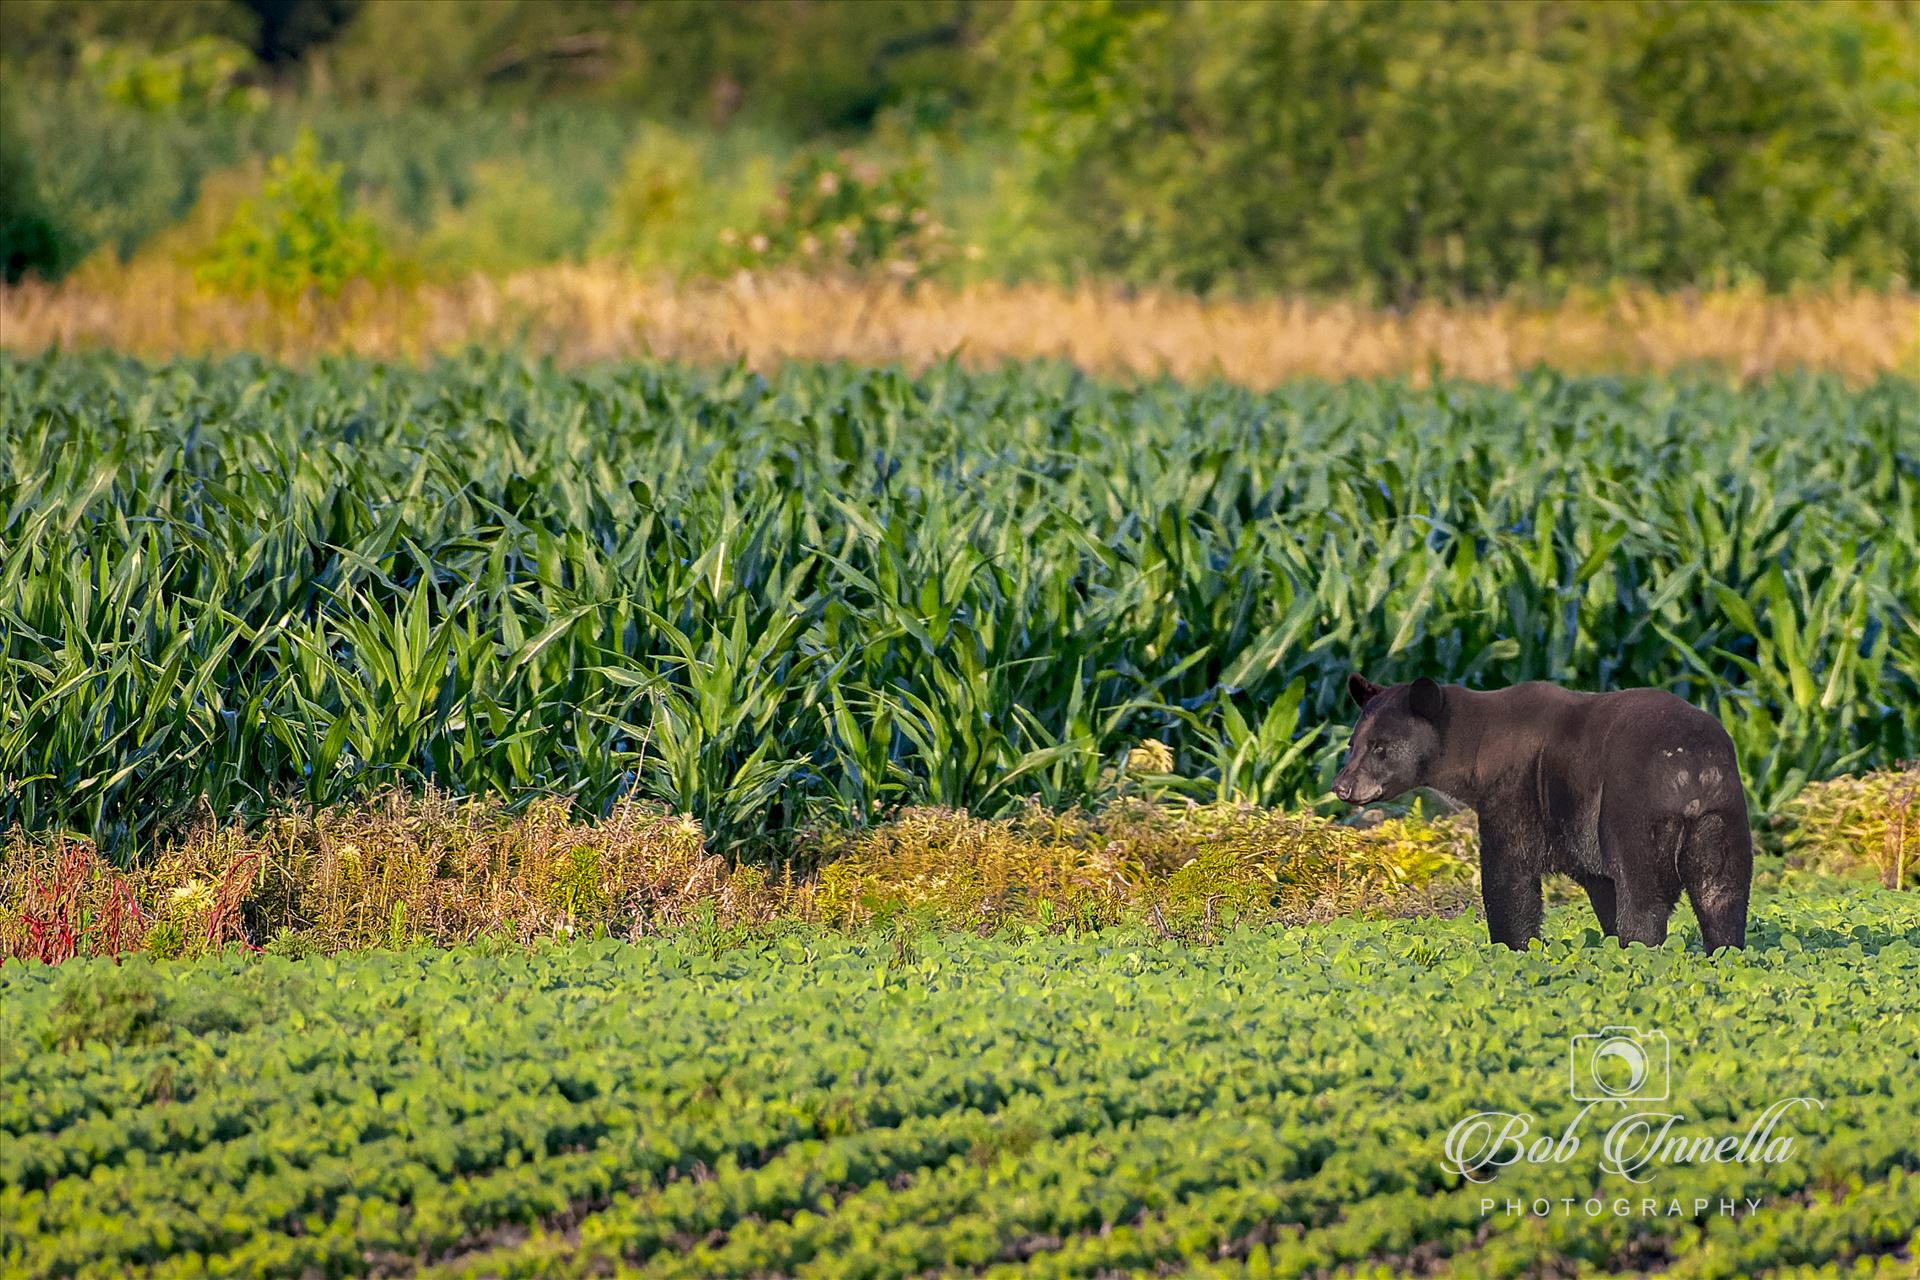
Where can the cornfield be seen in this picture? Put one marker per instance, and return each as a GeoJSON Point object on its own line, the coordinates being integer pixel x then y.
{"type": "Point", "coordinates": [809, 597]}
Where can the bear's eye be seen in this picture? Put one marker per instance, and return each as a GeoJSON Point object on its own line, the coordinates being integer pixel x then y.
{"type": "Point", "coordinates": [1378, 748]}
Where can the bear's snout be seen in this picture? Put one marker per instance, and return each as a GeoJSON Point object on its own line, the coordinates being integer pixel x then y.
{"type": "Point", "coordinates": [1352, 791]}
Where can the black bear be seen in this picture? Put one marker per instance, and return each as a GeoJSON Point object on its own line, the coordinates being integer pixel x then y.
{"type": "Point", "coordinates": [1635, 794]}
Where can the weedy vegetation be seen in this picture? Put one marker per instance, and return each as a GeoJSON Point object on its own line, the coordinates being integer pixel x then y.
{"type": "Point", "coordinates": [405, 870]}
{"type": "Point", "coordinates": [1869, 820]}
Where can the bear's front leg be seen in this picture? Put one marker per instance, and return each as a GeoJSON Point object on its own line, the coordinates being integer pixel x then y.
{"type": "Point", "coordinates": [1510, 887]}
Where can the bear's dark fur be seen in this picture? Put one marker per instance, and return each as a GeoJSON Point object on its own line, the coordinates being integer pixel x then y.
{"type": "Point", "coordinates": [1635, 794]}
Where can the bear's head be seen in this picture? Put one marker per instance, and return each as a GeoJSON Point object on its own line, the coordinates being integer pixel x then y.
{"type": "Point", "coordinates": [1396, 741]}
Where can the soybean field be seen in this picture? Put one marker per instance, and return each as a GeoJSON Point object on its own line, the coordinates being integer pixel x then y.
{"type": "Point", "coordinates": [1285, 1102]}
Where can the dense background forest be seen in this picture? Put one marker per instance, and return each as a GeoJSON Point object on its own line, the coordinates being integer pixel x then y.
{"type": "Point", "coordinates": [1386, 152]}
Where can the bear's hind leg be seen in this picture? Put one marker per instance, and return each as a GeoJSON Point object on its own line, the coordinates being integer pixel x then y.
{"type": "Point", "coordinates": [1717, 865]}
{"type": "Point", "coordinates": [1648, 883]}
{"type": "Point", "coordinates": [1600, 893]}
{"type": "Point", "coordinates": [1643, 919]}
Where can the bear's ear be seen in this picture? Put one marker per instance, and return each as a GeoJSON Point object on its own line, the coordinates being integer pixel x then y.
{"type": "Point", "coordinates": [1361, 689]}
{"type": "Point", "coordinates": [1425, 699]}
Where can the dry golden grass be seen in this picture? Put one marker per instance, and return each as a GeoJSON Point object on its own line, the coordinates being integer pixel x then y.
{"type": "Point", "coordinates": [588, 313]}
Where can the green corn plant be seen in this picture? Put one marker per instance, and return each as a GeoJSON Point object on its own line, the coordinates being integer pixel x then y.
{"type": "Point", "coordinates": [777, 600]}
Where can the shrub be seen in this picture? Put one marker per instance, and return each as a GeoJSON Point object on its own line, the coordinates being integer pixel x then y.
{"type": "Point", "coordinates": [1192, 867]}
{"type": "Point", "coordinates": [838, 213]}
{"type": "Point", "coordinates": [965, 872]}
{"type": "Point", "coordinates": [511, 220]}
{"type": "Point", "coordinates": [1867, 822]}
{"type": "Point", "coordinates": [668, 213]}
{"type": "Point", "coordinates": [298, 238]}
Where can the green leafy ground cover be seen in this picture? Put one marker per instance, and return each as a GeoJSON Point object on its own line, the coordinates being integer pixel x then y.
{"type": "Point", "coordinates": [801, 1103]}
{"type": "Point", "coordinates": [811, 598]}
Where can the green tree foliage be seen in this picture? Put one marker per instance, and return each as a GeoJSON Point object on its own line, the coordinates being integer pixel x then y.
{"type": "Point", "coordinates": [52, 36]}
{"type": "Point", "coordinates": [111, 176]}
{"type": "Point", "coordinates": [820, 65]}
{"type": "Point", "coordinates": [298, 238]}
{"type": "Point", "coordinates": [1405, 149]}
{"type": "Point", "coordinates": [205, 74]}
{"type": "Point", "coordinates": [31, 238]}
{"type": "Point", "coordinates": [511, 220]}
